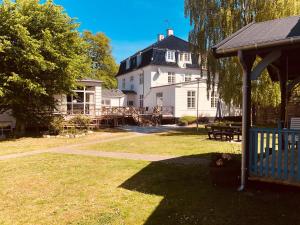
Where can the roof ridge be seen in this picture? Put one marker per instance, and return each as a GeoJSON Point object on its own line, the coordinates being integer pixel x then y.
{"type": "Point", "coordinates": [152, 46]}
{"type": "Point", "coordinates": [277, 19]}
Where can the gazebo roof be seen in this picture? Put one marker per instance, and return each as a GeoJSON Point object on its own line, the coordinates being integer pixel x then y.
{"type": "Point", "coordinates": [263, 38]}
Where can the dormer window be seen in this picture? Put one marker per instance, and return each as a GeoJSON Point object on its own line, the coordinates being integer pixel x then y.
{"type": "Point", "coordinates": [170, 56]}
{"type": "Point", "coordinates": [139, 59]}
{"type": "Point", "coordinates": [127, 63]}
{"type": "Point", "coordinates": [185, 57]}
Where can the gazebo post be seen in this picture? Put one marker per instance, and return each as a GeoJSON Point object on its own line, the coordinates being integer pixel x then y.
{"type": "Point", "coordinates": [246, 62]}
{"type": "Point", "coordinates": [283, 90]}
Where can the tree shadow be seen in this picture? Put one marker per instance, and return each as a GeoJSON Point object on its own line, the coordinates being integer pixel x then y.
{"type": "Point", "coordinates": [190, 198]}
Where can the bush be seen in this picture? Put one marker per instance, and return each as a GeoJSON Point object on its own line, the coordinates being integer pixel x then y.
{"type": "Point", "coordinates": [187, 120]}
{"type": "Point", "coordinates": [203, 120]}
{"type": "Point", "coordinates": [183, 123]}
{"type": "Point", "coordinates": [56, 125]}
{"type": "Point", "coordinates": [81, 121]}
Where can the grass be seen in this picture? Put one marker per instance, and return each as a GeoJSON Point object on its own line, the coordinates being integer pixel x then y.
{"type": "Point", "coordinates": [27, 144]}
{"type": "Point", "coordinates": [61, 189]}
{"type": "Point", "coordinates": [178, 143]}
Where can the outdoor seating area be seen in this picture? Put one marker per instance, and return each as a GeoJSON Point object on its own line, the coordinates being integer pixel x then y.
{"type": "Point", "coordinates": [224, 132]}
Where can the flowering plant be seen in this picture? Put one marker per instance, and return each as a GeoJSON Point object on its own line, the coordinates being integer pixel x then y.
{"type": "Point", "coordinates": [225, 160]}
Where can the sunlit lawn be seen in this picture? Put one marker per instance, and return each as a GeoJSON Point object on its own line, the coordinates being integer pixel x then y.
{"type": "Point", "coordinates": [63, 189]}
{"type": "Point", "coordinates": [36, 143]}
{"type": "Point", "coordinates": [180, 142]}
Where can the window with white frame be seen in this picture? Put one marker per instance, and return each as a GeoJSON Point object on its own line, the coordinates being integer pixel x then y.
{"type": "Point", "coordinates": [191, 99]}
{"type": "Point", "coordinates": [185, 57]}
{"type": "Point", "coordinates": [170, 56]}
{"type": "Point", "coordinates": [132, 87]}
{"type": "Point", "coordinates": [106, 102]}
{"type": "Point", "coordinates": [187, 77]}
{"type": "Point", "coordinates": [139, 59]}
{"type": "Point", "coordinates": [171, 78]}
{"type": "Point", "coordinates": [141, 76]}
{"type": "Point", "coordinates": [214, 100]}
{"type": "Point", "coordinates": [141, 101]}
{"type": "Point", "coordinates": [203, 61]}
{"type": "Point", "coordinates": [127, 63]}
{"type": "Point", "coordinates": [131, 78]}
{"type": "Point", "coordinates": [123, 84]}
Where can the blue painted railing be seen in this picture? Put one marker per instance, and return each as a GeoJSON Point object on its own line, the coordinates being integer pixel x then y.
{"type": "Point", "coordinates": [275, 153]}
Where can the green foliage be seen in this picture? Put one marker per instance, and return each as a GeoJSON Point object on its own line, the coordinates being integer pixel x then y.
{"type": "Point", "coordinates": [215, 20]}
{"type": "Point", "coordinates": [56, 125]}
{"type": "Point", "coordinates": [81, 121]}
{"type": "Point", "coordinates": [104, 65]}
{"type": "Point", "coordinates": [265, 93]}
{"type": "Point", "coordinates": [186, 120]}
{"type": "Point", "coordinates": [41, 55]}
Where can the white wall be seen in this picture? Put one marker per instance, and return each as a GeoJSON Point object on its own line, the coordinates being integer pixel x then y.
{"type": "Point", "coordinates": [168, 96]}
{"type": "Point", "coordinates": [98, 99]}
{"type": "Point", "coordinates": [181, 108]}
{"type": "Point", "coordinates": [159, 79]}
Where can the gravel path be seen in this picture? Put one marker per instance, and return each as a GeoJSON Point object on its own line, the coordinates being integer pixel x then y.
{"type": "Point", "coordinates": [70, 149]}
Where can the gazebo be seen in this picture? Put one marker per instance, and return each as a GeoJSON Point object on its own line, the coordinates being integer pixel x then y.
{"type": "Point", "coordinates": [268, 154]}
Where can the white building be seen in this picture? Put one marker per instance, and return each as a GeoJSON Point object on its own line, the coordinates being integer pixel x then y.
{"type": "Point", "coordinates": [113, 98]}
{"type": "Point", "coordinates": [167, 74]}
{"type": "Point", "coordinates": [87, 100]}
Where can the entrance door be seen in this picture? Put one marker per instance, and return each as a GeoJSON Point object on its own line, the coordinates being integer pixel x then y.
{"type": "Point", "coordinates": [159, 99]}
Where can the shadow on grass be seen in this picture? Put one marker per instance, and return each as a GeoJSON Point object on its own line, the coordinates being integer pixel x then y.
{"type": "Point", "coordinates": [190, 198]}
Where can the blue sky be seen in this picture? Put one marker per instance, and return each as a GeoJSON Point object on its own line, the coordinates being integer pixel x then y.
{"type": "Point", "coordinates": [130, 24]}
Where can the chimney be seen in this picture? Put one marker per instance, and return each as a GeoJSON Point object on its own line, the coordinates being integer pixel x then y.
{"type": "Point", "coordinates": [160, 37]}
{"type": "Point", "coordinates": [170, 32]}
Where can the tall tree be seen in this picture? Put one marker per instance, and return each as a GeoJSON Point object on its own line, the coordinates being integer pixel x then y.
{"type": "Point", "coordinates": [215, 20]}
{"type": "Point", "coordinates": [41, 55]}
{"type": "Point", "coordinates": [104, 65]}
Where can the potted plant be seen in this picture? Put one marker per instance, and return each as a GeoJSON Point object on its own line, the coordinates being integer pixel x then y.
{"type": "Point", "coordinates": [225, 169]}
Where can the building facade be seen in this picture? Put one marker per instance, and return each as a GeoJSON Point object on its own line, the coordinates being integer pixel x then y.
{"type": "Point", "coordinates": [167, 74]}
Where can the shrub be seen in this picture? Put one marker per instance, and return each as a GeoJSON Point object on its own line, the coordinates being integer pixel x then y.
{"type": "Point", "coordinates": [81, 121]}
{"type": "Point", "coordinates": [187, 120]}
{"type": "Point", "coordinates": [203, 120]}
{"type": "Point", "coordinates": [56, 125]}
{"type": "Point", "coordinates": [183, 123]}
{"type": "Point", "coordinates": [225, 160]}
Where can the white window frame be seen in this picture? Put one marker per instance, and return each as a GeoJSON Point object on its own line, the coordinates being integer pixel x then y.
{"type": "Point", "coordinates": [106, 102]}
{"type": "Point", "coordinates": [185, 57]}
{"type": "Point", "coordinates": [131, 78]}
{"type": "Point", "coordinates": [139, 59]}
{"type": "Point", "coordinates": [214, 100]}
{"type": "Point", "coordinates": [170, 56]}
{"type": "Point", "coordinates": [141, 76]}
{"type": "Point", "coordinates": [141, 99]}
{"type": "Point", "coordinates": [171, 78]}
{"type": "Point", "coordinates": [127, 63]}
{"type": "Point", "coordinates": [191, 99]}
{"type": "Point", "coordinates": [123, 83]}
{"type": "Point", "coordinates": [187, 77]}
{"type": "Point", "coordinates": [132, 87]}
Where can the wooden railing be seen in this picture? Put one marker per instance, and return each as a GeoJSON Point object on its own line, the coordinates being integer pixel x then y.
{"type": "Point", "coordinates": [275, 153]}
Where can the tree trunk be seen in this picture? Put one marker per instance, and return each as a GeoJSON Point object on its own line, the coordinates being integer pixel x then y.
{"type": "Point", "coordinates": [20, 128]}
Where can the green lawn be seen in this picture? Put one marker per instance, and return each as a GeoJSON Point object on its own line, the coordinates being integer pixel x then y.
{"type": "Point", "coordinates": [35, 143]}
{"type": "Point", "coordinates": [180, 142]}
{"type": "Point", "coordinates": [63, 189]}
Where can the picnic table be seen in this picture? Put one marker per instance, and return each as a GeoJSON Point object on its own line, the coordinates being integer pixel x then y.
{"type": "Point", "coordinates": [225, 132]}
